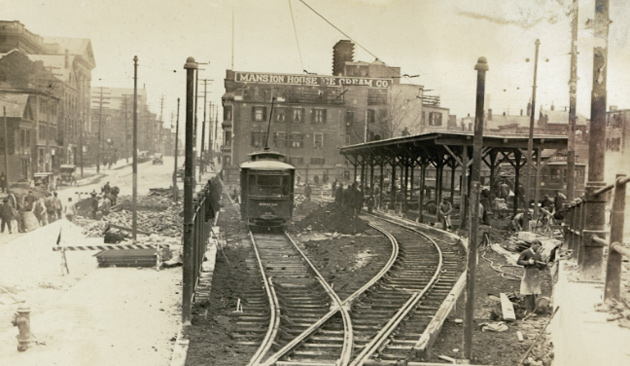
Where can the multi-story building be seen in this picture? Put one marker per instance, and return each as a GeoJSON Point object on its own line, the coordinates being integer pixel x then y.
{"type": "Point", "coordinates": [31, 94]}
{"type": "Point", "coordinates": [112, 115]}
{"type": "Point", "coordinates": [71, 61]}
{"type": "Point", "coordinates": [313, 115]}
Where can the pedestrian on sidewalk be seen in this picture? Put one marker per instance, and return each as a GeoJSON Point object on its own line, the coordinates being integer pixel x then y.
{"type": "Point", "coordinates": [50, 208]}
{"type": "Point", "coordinates": [39, 209]}
{"type": "Point", "coordinates": [57, 205]}
{"type": "Point", "coordinates": [531, 283]}
{"type": "Point", "coordinates": [3, 182]}
{"type": "Point", "coordinates": [70, 210]}
{"type": "Point", "coordinates": [6, 215]}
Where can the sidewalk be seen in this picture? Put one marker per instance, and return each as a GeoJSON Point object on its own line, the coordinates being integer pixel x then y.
{"type": "Point", "coordinates": [581, 335]}
{"type": "Point", "coordinates": [92, 316]}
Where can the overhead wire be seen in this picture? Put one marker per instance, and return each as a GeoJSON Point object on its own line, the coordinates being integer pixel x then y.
{"type": "Point", "coordinates": [297, 40]}
{"type": "Point", "coordinates": [355, 42]}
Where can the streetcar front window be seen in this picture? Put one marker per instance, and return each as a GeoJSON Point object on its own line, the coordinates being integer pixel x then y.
{"type": "Point", "coordinates": [268, 185]}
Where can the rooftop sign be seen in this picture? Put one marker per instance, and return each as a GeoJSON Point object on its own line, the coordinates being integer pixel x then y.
{"type": "Point", "coordinates": [311, 80]}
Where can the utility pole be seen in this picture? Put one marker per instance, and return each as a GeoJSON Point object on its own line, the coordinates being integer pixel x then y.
{"type": "Point", "coordinates": [530, 147]}
{"type": "Point", "coordinates": [162, 109]}
{"type": "Point", "coordinates": [188, 275]}
{"type": "Point", "coordinates": [590, 255]}
{"type": "Point", "coordinates": [126, 129]}
{"type": "Point", "coordinates": [203, 126]}
{"type": "Point", "coordinates": [481, 67]}
{"type": "Point", "coordinates": [135, 148]}
{"type": "Point", "coordinates": [6, 146]}
{"type": "Point", "coordinates": [216, 126]}
{"type": "Point", "coordinates": [100, 124]}
{"type": "Point", "coordinates": [175, 193]}
{"type": "Point", "coordinates": [572, 104]}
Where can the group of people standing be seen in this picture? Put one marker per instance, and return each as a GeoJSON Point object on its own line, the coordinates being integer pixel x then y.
{"type": "Point", "coordinates": [350, 198]}
{"type": "Point", "coordinates": [45, 210]}
{"type": "Point", "coordinates": [101, 206]}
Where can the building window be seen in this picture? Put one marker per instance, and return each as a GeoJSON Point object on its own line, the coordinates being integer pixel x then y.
{"type": "Point", "coordinates": [318, 140]}
{"type": "Point", "coordinates": [281, 115]}
{"type": "Point", "coordinates": [280, 139]}
{"type": "Point", "coordinates": [318, 161]}
{"type": "Point", "coordinates": [297, 140]}
{"type": "Point", "coordinates": [435, 119]}
{"type": "Point", "coordinates": [296, 160]}
{"type": "Point", "coordinates": [258, 139]}
{"type": "Point", "coordinates": [349, 118]}
{"type": "Point", "coordinates": [259, 113]}
{"type": "Point", "coordinates": [370, 115]}
{"type": "Point", "coordinates": [318, 115]}
{"type": "Point", "coordinates": [227, 138]}
{"type": "Point", "coordinates": [297, 115]}
{"type": "Point", "coordinates": [227, 113]}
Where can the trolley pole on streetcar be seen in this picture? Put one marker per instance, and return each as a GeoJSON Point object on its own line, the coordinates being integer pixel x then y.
{"type": "Point", "coordinates": [190, 67]}
{"type": "Point", "coordinates": [134, 162]}
{"type": "Point", "coordinates": [175, 190]}
{"type": "Point", "coordinates": [481, 67]}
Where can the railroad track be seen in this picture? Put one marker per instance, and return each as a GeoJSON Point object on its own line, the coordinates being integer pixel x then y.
{"type": "Point", "coordinates": [304, 322]}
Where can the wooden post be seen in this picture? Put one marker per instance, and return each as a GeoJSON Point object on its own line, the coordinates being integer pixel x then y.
{"type": "Point", "coordinates": [188, 275]}
{"type": "Point", "coordinates": [615, 259]}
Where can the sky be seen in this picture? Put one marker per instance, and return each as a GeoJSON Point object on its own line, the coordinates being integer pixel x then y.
{"type": "Point", "coordinates": [438, 40]}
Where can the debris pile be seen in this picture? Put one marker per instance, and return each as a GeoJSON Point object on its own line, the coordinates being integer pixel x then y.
{"type": "Point", "coordinates": [331, 218]}
{"type": "Point", "coordinates": [617, 311]}
{"type": "Point", "coordinates": [157, 214]}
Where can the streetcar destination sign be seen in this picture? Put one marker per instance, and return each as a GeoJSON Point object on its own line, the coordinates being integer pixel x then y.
{"type": "Point", "coordinates": [313, 80]}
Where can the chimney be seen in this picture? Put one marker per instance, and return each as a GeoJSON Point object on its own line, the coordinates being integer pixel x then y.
{"type": "Point", "coordinates": [489, 114]}
{"type": "Point", "coordinates": [553, 107]}
{"type": "Point", "coordinates": [343, 52]}
{"type": "Point", "coordinates": [521, 112]}
{"type": "Point", "coordinates": [67, 60]}
{"type": "Point", "coordinates": [529, 108]}
{"type": "Point", "coordinates": [504, 113]}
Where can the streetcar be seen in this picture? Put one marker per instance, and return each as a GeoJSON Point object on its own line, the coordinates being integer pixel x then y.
{"type": "Point", "coordinates": [267, 190]}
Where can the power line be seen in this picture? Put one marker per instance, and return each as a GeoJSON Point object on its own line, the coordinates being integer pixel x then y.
{"type": "Point", "coordinates": [296, 35]}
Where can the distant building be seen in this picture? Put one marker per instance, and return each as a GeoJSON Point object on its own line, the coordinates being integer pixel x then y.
{"type": "Point", "coordinates": [313, 115]}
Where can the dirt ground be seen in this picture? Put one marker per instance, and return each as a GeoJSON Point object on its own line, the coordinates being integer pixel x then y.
{"type": "Point", "coordinates": [347, 254]}
{"type": "Point", "coordinates": [490, 347]}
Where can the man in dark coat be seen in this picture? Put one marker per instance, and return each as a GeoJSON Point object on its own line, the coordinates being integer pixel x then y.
{"type": "Point", "coordinates": [29, 200]}
{"type": "Point", "coordinates": [339, 195]}
{"type": "Point", "coordinates": [3, 182]}
{"type": "Point", "coordinates": [6, 214]}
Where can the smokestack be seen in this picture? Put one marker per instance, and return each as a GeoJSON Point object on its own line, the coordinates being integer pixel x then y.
{"type": "Point", "coordinates": [521, 112]}
{"type": "Point", "coordinates": [343, 52]}
{"type": "Point", "coordinates": [67, 59]}
{"type": "Point", "coordinates": [529, 108]}
{"type": "Point", "coordinates": [489, 114]}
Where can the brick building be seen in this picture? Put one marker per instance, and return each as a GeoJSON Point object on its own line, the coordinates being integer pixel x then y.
{"type": "Point", "coordinates": [313, 115]}
{"type": "Point", "coordinates": [70, 61]}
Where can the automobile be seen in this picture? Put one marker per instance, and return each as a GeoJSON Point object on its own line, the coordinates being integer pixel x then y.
{"type": "Point", "coordinates": [158, 159]}
{"type": "Point", "coordinates": [67, 174]}
{"type": "Point", "coordinates": [44, 180]}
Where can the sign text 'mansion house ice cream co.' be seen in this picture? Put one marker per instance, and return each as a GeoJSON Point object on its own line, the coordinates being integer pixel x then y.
{"type": "Point", "coordinates": [314, 80]}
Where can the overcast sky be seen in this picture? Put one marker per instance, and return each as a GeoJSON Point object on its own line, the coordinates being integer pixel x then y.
{"type": "Point", "coordinates": [438, 40]}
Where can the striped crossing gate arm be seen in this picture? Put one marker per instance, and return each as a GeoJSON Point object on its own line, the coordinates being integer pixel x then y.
{"type": "Point", "coordinates": [110, 247]}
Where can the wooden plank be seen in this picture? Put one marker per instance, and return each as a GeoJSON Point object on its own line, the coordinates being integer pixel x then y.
{"type": "Point", "coordinates": [507, 308]}
{"type": "Point", "coordinates": [432, 331]}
